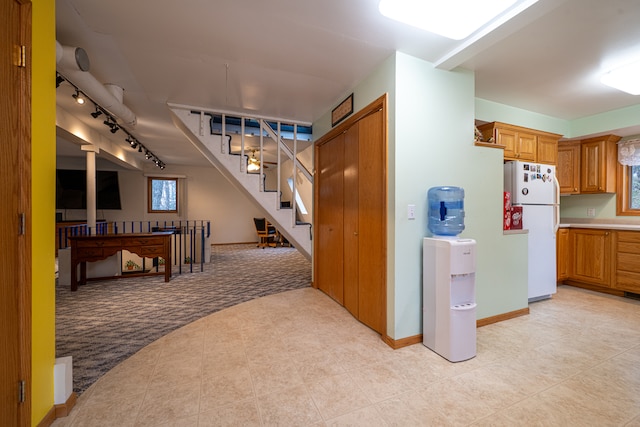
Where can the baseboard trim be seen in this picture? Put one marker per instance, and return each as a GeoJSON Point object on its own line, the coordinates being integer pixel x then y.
{"type": "Point", "coordinates": [63, 409]}
{"type": "Point", "coordinates": [402, 342]}
{"type": "Point", "coordinates": [500, 317]}
{"type": "Point", "coordinates": [48, 419]}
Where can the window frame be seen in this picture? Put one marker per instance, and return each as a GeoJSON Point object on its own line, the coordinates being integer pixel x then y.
{"type": "Point", "coordinates": [150, 180]}
{"type": "Point", "coordinates": [623, 188]}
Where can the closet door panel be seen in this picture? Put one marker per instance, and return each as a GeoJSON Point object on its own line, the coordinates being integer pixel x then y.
{"type": "Point", "coordinates": [329, 222]}
{"type": "Point", "coordinates": [372, 222]}
{"type": "Point", "coordinates": [351, 214]}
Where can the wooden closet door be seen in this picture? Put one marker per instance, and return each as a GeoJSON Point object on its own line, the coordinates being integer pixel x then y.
{"type": "Point", "coordinates": [329, 222]}
{"type": "Point", "coordinates": [372, 222]}
{"type": "Point", "coordinates": [351, 220]}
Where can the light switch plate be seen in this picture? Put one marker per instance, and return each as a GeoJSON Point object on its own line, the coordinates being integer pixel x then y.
{"type": "Point", "coordinates": [411, 211]}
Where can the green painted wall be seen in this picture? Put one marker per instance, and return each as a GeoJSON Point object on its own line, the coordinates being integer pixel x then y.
{"type": "Point", "coordinates": [43, 153]}
{"type": "Point", "coordinates": [431, 115]}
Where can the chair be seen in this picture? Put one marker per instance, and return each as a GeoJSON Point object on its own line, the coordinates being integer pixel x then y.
{"type": "Point", "coordinates": [267, 233]}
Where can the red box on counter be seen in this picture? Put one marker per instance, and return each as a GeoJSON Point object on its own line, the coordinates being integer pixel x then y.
{"type": "Point", "coordinates": [506, 224]}
{"type": "Point", "coordinates": [516, 217]}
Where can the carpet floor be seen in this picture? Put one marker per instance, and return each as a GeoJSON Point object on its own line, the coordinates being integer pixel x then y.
{"type": "Point", "coordinates": [105, 322]}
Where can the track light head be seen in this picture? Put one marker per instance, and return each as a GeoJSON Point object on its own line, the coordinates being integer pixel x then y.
{"type": "Point", "coordinates": [59, 80]}
{"type": "Point", "coordinates": [139, 148]}
{"type": "Point", "coordinates": [115, 128]}
{"type": "Point", "coordinates": [96, 113]}
{"type": "Point", "coordinates": [79, 97]}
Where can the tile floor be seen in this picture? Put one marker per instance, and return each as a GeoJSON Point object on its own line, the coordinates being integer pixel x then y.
{"type": "Point", "coordinates": [299, 359]}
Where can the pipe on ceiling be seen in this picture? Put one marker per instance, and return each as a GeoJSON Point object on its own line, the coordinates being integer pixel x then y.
{"type": "Point", "coordinates": [73, 63]}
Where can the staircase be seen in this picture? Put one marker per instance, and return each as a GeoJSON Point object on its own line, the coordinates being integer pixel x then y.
{"type": "Point", "coordinates": [197, 126]}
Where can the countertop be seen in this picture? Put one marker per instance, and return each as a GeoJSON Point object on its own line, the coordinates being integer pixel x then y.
{"type": "Point", "coordinates": [600, 224]}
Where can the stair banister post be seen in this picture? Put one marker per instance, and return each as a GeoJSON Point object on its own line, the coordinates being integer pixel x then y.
{"type": "Point", "coordinates": [261, 181]}
{"type": "Point", "coordinates": [293, 175]}
{"type": "Point", "coordinates": [243, 165]}
{"type": "Point", "coordinates": [279, 174]}
{"type": "Point", "coordinates": [223, 146]}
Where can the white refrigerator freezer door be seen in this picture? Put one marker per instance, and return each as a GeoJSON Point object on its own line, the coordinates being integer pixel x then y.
{"type": "Point", "coordinates": [530, 183]}
{"type": "Point", "coordinates": [539, 221]}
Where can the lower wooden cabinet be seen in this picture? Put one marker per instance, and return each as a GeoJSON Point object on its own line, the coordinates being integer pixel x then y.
{"type": "Point", "coordinates": [627, 261]}
{"type": "Point", "coordinates": [599, 258]}
{"type": "Point", "coordinates": [562, 254]}
{"type": "Point", "coordinates": [590, 256]}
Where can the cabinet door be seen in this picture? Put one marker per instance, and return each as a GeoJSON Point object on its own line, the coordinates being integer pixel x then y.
{"type": "Point", "coordinates": [568, 170]}
{"type": "Point", "coordinates": [562, 254]}
{"type": "Point", "coordinates": [591, 256]}
{"type": "Point", "coordinates": [547, 150]}
{"type": "Point", "coordinates": [592, 167]}
{"type": "Point", "coordinates": [527, 143]}
{"type": "Point", "coordinates": [507, 138]}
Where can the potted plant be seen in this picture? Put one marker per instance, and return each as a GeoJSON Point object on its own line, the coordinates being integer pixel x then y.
{"type": "Point", "coordinates": [188, 260]}
{"type": "Point", "coordinates": [130, 264]}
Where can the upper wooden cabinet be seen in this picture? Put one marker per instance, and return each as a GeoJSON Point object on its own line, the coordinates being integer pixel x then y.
{"type": "Point", "coordinates": [598, 157]}
{"type": "Point", "coordinates": [521, 143]}
{"type": "Point", "coordinates": [568, 170]}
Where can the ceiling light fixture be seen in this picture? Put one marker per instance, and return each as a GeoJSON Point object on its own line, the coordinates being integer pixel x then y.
{"type": "Point", "coordinates": [96, 113]}
{"type": "Point", "coordinates": [79, 97]}
{"type": "Point", "coordinates": [624, 78]}
{"type": "Point", "coordinates": [452, 19]}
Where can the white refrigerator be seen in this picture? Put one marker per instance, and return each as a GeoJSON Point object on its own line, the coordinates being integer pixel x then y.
{"type": "Point", "coordinates": [534, 187]}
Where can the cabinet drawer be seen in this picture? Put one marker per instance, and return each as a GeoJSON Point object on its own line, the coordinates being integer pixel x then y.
{"type": "Point", "coordinates": [152, 251]}
{"type": "Point", "coordinates": [629, 236]}
{"type": "Point", "coordinates": [627, 281]}
{"type": "Point", "coordinates": [98, 243]}
{"type": "Point", "coordinates": [629, 247]}
{"type": "Point", "coordinates": [147, 241]}
{"type": "Point", "coordinates": [628, 262]}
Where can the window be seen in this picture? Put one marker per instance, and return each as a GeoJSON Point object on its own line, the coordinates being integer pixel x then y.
{"type": "Point", "coordinates": [628, 190]}
{"type": "Point", "coordinates": [162, 195]}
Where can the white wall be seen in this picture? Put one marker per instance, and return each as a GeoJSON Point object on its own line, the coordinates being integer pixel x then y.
{"type": "Point", "coordinates": [204, 195]}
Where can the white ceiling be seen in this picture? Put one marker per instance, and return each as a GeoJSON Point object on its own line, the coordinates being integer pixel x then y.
{"type": "Point", "coordinates": [294, 59]}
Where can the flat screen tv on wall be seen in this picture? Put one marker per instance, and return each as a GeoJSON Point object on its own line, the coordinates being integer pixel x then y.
{"type": "Point", "coordinates": [71, 189]}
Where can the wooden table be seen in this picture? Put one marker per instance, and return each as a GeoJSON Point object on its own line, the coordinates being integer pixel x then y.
{"type": "Point", "coordinates": [95, 248]}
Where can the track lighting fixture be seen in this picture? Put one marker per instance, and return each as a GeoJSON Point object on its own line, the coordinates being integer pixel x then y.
{"type": "Point", "coordinates": [79, 97]}
{"type": "Point", "coordinates": [109, 121]}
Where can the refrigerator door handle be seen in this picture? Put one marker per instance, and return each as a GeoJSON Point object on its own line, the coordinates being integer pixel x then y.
{"type": "Point", "coordinates": [556, 219]}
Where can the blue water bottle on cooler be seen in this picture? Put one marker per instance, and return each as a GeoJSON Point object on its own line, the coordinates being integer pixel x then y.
{"type": "Point", "coordinates": [446, 210]}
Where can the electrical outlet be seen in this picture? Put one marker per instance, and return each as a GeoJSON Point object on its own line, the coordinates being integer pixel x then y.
{"type": "Point", "coordinates": [411, 211]}
{"type": "Point", "coordinates": [591, 212]}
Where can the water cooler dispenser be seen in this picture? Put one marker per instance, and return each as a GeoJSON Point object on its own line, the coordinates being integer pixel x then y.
{"type": "Point", "coordinates": [449, 297]}
{"type": "Point", "coordinates": [449, 266]}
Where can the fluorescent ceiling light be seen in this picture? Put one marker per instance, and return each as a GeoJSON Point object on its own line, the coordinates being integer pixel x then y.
{"type": "Point", "coordinates": [452, 19]}
{"type": "Point", "coordinates": [625, 78]}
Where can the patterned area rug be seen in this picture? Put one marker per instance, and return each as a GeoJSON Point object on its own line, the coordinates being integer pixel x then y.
{"type": "Point", "coordinates": [105, 322]}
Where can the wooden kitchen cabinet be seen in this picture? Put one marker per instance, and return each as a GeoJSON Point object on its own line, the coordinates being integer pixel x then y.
{"type": "Point", "coordinates": [547, 150]}
{"type": "Point", "coordinates": [598, 158]}
{"type": "Point", "coordinates": [568, 170]}
{"type": "Point", "coordinates": [590, 253]}
{"type": "Point", "coordinates": [521, 143]}
{"type": "Point", "coordinates": [627, 261]}
{"type": "Point", "coordinates": [562, 254]}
